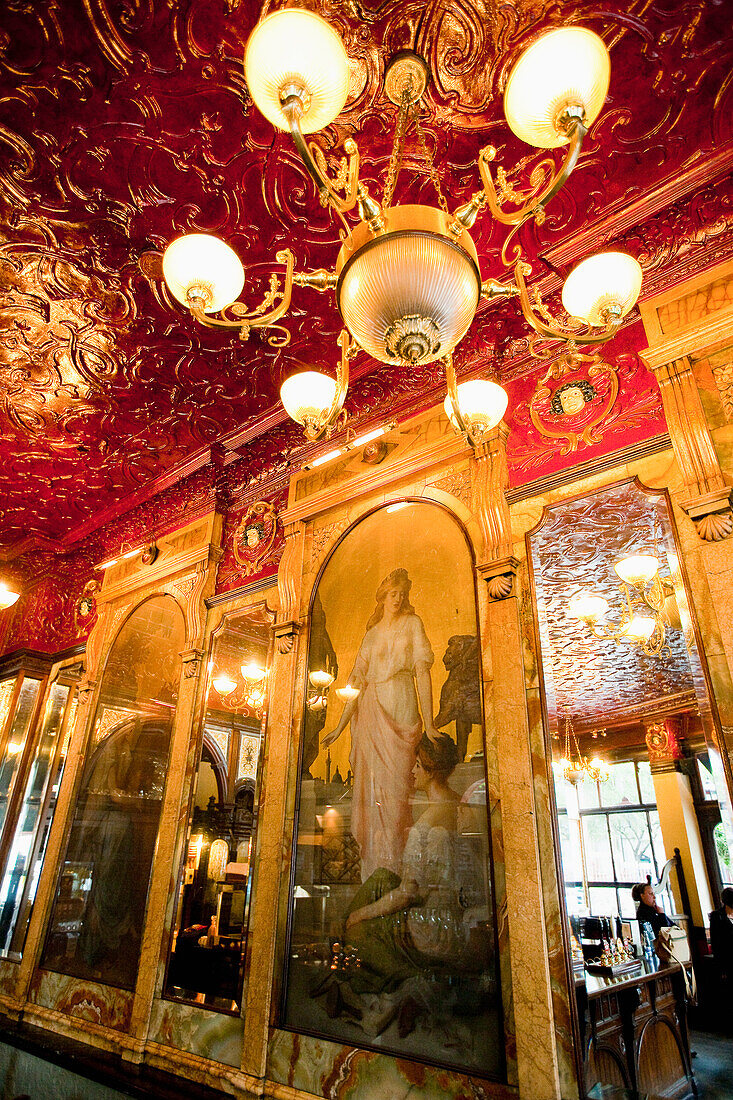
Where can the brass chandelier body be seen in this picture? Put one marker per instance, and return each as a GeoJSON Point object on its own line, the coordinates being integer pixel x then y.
{"type": "Point", "coordinates": [407, 278]}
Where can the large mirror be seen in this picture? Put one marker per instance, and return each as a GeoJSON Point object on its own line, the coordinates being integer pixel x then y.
{"type": "Point", "coordinates": [208, 945]}
{"type": "Point", "coordinates": [392, 931]}
{"type": "Point", "coordinates": [96, 923]}
{"type": "Point", "coordinates": [643, 819]}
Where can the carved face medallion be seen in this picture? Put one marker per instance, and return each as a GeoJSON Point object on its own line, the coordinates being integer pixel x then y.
{"type": "Point", "coordinates": [572, 400]}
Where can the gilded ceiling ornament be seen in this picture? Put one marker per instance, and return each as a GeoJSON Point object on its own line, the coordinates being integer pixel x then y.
{"type": "Point", "coordinates": [254, 538]}
{"type": "Point", "coordinates": [572, 413]}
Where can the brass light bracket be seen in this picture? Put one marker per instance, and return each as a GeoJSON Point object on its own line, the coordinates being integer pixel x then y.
{"type": "Point", "coordinates": [407, 73]}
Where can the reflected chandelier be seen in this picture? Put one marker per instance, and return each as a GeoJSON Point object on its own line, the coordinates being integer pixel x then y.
{"type": "Point", "coordinates": [407, 279]}
{"type": "Point", "coordinates": [576, 768]}
{"type": "Point", "coordinates": [644, 591]}
{"type": "Point", "coordinates": [247, 696]}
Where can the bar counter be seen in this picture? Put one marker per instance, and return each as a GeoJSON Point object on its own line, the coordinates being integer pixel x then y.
{"type": "Point", "coordinates": [634, 1031]}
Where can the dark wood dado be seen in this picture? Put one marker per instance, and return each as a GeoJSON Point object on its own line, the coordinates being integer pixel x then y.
{"type": "Point", "coordinates": [634, 1031]}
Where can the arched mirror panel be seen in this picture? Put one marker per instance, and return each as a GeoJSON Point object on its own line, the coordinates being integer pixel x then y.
{"type": "Point", "coordinates": [96, 923]}
{"type": "Point", "coordinates": [392, 932]}
{"type": "Point", "coordinates": [208, 944]}
{"type": "Point", "coordinates": [643, 819]}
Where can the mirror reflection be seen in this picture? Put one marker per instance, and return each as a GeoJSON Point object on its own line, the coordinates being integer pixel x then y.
{"type": "Point", "coordinates": [208, 946]}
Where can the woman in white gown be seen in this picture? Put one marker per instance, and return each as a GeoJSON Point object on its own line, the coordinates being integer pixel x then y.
{"type": "Point", "coordinates": [392, 673]}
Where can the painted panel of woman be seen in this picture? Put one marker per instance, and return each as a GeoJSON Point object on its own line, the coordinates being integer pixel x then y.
{"type": "Point", "coordinates": [392, 673]}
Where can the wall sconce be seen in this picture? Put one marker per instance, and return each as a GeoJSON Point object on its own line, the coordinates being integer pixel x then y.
{"type": "Point", "coordinates": [644, 591]}
{"type": "Point", "coordinates": [321, 681]}
{"type": "Point", "coordinates": [7, 596]}
{"type": "Point", "coordinates": [250, 695]}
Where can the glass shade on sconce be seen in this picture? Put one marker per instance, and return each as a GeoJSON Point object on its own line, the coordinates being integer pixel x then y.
{"type": "Point", "coordinates": [602, 288]}
{"type": "Point", "coordinates": [7, 596]}
{"type": "Point", "coordinates": [639, 629]}
{"type": "Point", "coordinates": [588, 607]}
{"type": "Point", "coordinates": [252, 673]}
{"type": "Point", "coordinates": [346, 694]}
{"type": "Point", "coordinates": [320, 679]}
{"type": "Point", "coordinates": [568, 67]}
{"type": "Point", "coordinates": [200, 266]}
{"type": "Point", "coordinates": [637, 569]}
{"type": "Point", "coordinates": [308, 396]}
{"type": "Point", "coordinates": [224, 684]}
{"type": "Point", "coordinates": [296, 49]}
{"type": "Point", "coordinates": [481, 404]}
{"type": "Point", "coordinates": [410, 294]}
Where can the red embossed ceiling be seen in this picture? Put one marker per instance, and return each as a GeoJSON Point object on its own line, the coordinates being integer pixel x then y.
{"type": "Point", "coordinates": [123, 125]}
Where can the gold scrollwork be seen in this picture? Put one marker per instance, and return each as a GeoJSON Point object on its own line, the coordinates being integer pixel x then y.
{"type": "Point", "coordinates": [573, 399]}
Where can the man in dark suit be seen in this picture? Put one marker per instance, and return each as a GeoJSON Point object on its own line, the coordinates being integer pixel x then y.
{"type": "Point", "coordinates": [721, 933]}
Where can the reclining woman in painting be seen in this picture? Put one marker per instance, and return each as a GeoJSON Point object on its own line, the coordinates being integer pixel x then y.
{"type": "Point", "coordinates": [414, 925]}
{"type": "Point", "coordinates": [392, 673]}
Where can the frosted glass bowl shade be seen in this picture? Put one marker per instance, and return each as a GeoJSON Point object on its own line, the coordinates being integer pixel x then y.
{"type": "Point", "coordinates": [609, 280]}
{"type": "Point", "coordinates": [481, 403]}
{"type": "Point", "coordinates": [566, 67]}
{"type": "Point", "coordinates": [640, 629]}
{"type": "Point", "coordinates": [201, 262]}
{"type": "Point", "coordinates": [587, 606]}
{"type": "Point", "coordinates": [294, 47]}
{"type": "Point", "coordinates": [308, 395]}
{"type": "Point", "coordinates": [637, 568]}
{"type": "Point", "coordinates": [409, 295]}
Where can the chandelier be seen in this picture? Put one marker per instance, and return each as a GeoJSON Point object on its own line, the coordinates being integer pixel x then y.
{"type": "Point", "coordinates": [407, 279]}
{"type": "Point", "coordinates": [642, 619]}
{"type": "Point", "coordinates": [576, 768]}
{"type": "Point", "coordinates": [249, 695]}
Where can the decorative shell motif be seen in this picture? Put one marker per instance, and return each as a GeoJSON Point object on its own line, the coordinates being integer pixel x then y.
{"type": "Point", "coordinates": [716, 526]}
{"type": "Point", "coordinates": [500, 587]}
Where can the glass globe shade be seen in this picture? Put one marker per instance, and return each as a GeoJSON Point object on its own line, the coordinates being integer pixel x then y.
{"type": "Point", "coordinates": [308, 395]}
{"type": "Point", "coordinates": [640, 629]}
{"type": "Point", "coordinates": [586, 606]}
{"type": "Point", "coordinates": [7, 596]}
{"type": "Point", "coordinates": [297, 48]}
{"type": "Point", "coordinates": [253, 672]}
{"type": "Point", "coordinates": [637, 568]}
{"type": "Point", "coordinates": [410, 294]}
{"type": "Point", "coordinates": [567, 67]}
{"type": "Point", "coordinates": [608, 281]}
{"type": "Point", "coordinates": [320, 679]}
{"type": "Point", "coordinates": [204, 264]}
{"type": "Point", "coordinates": [224, 684]}
{"type": "Point", "coordinates": [481, 404]}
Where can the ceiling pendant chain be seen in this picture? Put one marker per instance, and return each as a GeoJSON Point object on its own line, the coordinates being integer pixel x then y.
{"type": "Point", "coordinates": [431, 166]}
{"type": "Point", "coordinates": [395, 160]}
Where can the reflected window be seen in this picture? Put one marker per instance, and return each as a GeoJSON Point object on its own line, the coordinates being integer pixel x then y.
{"type": "Point", "coordinates": [15, 739]}
{"type": "Point", "coordinates": [206, 959]}
{"type": "Point", "coordinates": [96, 924]}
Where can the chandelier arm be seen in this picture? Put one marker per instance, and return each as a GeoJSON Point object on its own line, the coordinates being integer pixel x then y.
{"type": "Point", "coordinates": [554, 331]}
{"type": "Point", "coordinates": [576, 131]}
{"type": "Point", "coordinates": [324, 425]}
{"type": "Point", "coordinates": [246, 321]}
{"type": "Point", "coordinates": [451, 386]}
{"type": "Point", "coordinates": [292, 108]}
